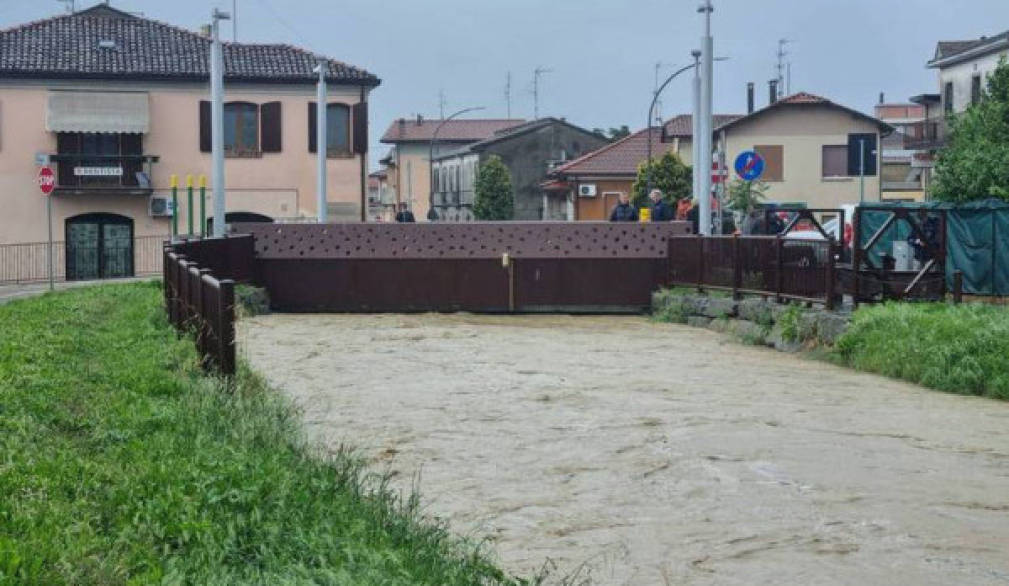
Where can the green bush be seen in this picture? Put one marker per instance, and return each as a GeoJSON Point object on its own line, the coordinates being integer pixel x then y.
{"type": "Point", "coordinates": [956, 348]}
{"type": "Point", "coordinates": [252, 301]}
{"type": "Point", "coordinates": [121, 463]}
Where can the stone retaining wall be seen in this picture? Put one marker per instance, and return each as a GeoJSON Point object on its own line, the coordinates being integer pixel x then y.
{"type": "Point", "coordinates": [789, 328]}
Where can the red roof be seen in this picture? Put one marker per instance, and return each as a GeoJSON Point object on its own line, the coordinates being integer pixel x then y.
{"type": "Point", "coordinates": [682, 125]}
{"type": "Point", "coordinates": [619, 158]}
{"type": "Point", "coordinates": [805, 99]}
{"type": "Point", "coordinates": [412, 130]}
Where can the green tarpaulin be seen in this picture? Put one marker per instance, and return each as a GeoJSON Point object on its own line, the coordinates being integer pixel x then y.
{"type": "Point", "coordinates": [977, 241]}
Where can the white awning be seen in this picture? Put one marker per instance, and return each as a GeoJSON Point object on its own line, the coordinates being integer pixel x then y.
{"type": "Point", "coordinates": [98, 112]}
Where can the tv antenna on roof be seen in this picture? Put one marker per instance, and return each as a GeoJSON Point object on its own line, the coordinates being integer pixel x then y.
{"type": "Point", "coordinates": [536, 90]}
{"type": "Point", "coordinates": [781, 67]}
{"type": "Point", "coordinates": [508, 94]}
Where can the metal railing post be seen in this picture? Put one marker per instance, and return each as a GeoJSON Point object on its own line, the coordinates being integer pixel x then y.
{"type": "Point", "coordinates": [737, 267]}
{"type": "Point", "coordinates": [779, 269]}
{"type": "Point", "coordinates": [830, 275]}
{"type": "Point", "coordinates": [700, 263]}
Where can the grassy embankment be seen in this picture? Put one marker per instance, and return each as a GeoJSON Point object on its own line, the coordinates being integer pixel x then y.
{"type": "Point", "coordinates": [955, 348]}
{"type": "Point", "coordinates": [120, 463]}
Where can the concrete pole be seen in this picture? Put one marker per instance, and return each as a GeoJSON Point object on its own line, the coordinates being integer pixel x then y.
{"type": "Point", "coordinates": [696, 127]}
{"type": "Point", "coordinates": [217, 120]}
{"type": "Point", "coordinates": [707, 60]}
{"type": "Point", "coordinates": [321, 144]}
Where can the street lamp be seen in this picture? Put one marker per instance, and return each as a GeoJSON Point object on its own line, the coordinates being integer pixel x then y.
{"type": "Point", "coordinates": [430, 156]}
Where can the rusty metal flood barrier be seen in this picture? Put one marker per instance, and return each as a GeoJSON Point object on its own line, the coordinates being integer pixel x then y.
{"type": "Point", "coordinates": [480, 267]}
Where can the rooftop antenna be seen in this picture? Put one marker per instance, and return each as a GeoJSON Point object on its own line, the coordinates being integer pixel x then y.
{"type": "Point", "coordinates": [441, 104]}
{"type": "Point", "coordinates": [782, 53]}
{"type": "Point", "coordinates": [655, 91]}
{"type": "Point", "coordinates": [234, 20]}
{"type": "Point", "coordinates": [536, 90]}
{"type": "Point", "coordinates": [508, 94]}
{"type": "Point", "coordinates": [71, 5]}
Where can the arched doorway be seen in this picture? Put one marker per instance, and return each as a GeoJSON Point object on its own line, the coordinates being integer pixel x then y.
{"type": "Point", "coordinates": [99, 246]}
{"type": "Point", "coordinates": [239, 217]}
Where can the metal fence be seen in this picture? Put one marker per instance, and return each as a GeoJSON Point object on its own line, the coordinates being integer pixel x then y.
{"type": "Point", "coordinates": [200, 303]}
{"type": "Point", "coordinates": [28, 262]}
{"type": "Point", "coordinates": [787, 268]}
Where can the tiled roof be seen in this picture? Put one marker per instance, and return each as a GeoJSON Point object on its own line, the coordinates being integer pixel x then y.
{"type": "Point", "coordinates": [412, 130]}
{"type": "Point", "coordinates": [619, 158]}
{"type": "Point", "coordinates": [70, 46]}
{"type": "Point", "coordinates": [946, 49]}
{"type": "Point", "coordinates": [682, 125]}
{"type": "Point", "coordinates": [804, 99]}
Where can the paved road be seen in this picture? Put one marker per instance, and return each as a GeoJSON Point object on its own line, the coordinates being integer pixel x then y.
{"type": "Point", "coordinates": [633, 453]}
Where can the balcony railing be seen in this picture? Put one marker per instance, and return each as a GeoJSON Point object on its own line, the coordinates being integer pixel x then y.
{"type": "Point", "coordinates": [925, 135]}
{"type": "Point", "coordinates": [88, 173]}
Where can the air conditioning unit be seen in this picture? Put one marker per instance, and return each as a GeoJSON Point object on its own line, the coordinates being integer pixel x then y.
{"type": "Point", "coordinates": [160, 207]}
{"type": "Point", "coordinates": [587, 190]}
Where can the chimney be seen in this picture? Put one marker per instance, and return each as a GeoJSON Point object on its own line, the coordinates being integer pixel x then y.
{"type": "Point", "coordinates": [773, 90]}
{"type": "Point", "coordinates": [420, 120]}
{"type": "Point", "coordinates": [882, 98]}
{"type": "Point", "coordinates": [749, 98]}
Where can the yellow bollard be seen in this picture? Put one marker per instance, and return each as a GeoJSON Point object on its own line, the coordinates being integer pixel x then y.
{"type": "Point", "coordinates": [645, 215]}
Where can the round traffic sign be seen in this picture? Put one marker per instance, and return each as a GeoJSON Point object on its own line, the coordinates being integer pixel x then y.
{"type": "Point", "coordinates": [47, 180]}
{"type": "Point", "coordinates": [749, 166]}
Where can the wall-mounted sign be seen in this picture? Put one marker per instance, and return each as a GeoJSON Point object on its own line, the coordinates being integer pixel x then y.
{"type": "Point", "coordinates": [98, 171]}
{"type": "Point", "coordinates": [41, 159]}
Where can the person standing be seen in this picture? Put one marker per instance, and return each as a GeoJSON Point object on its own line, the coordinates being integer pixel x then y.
{"type": "Point", "coordinates": [624, 211]}
{"type": "Point", "coordinates": [661, 211]}
{"type": "Point", "coordinates": [404, 215]}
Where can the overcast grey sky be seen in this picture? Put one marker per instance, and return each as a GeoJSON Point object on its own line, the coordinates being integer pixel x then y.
{"type": "Point", "coordinates": [602, 52]}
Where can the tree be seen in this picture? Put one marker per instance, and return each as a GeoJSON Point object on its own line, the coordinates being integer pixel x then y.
{"type": "Point", "coordinates": [974, 164]}
{"type": "Point", "coordinates": [745, 196]}
{"type": "Point", "coordinates": [494, 199]}
{"type": "Point", "coordinates": [669, 175]}
{"type": "Point", "coordinates": [613, 134]}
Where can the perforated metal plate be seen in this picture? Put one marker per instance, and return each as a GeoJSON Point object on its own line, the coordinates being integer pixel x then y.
{"type": "Point", "coordinates": [462, 241]}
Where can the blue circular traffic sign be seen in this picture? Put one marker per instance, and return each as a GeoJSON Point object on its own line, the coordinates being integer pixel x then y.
{"type": "Point", "coordinates": [749, 166]}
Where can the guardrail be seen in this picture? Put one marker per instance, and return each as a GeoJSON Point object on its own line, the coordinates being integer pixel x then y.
{"type": "Point", "coordinates": [27, 262]}
{"type": "Point", "coordinates": [786, 268]}
{"type": "Point", "coordinates": [200, 303]}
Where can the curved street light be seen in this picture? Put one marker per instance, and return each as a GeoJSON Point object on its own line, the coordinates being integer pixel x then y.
{"type": "Point", "coordinates": [651, 110]}
{"type": "Point", "coordinates": [430, 156]}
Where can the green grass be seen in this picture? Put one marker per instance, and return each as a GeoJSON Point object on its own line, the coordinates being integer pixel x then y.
{"type": "Point", "coordinates": [956, 348]}
{"type": "Point", "coordinates": [120, 463]}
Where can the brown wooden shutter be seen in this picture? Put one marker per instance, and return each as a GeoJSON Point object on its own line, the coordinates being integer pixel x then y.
{"type": "Point", "coordinates": [774, 161]}
{"type": "Point", "coordinates": [359, 120]}
{"type": "Point", "coordinates": [269, 127]}
{"type": "Point", "coordinates": [206, 142]}
{"type": "Point", "coordinates": [313, 140]}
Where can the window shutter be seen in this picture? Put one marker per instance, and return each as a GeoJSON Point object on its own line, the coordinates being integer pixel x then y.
{"type": "Point", "coordinates": [360, 125]}
{"type": "Point", "coordinates": [206, 142]}
{"type": "Point", "coordinates": [312, 138]}
{"type": "Point", "coordinates": [269, 127]}
{"type": "Point", "coordinates": [774, 161]}
{"type": "Point", "coordinates": [854, 149]}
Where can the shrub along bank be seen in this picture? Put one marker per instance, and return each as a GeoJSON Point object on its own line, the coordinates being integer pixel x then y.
{"type": "Point", "coordinates": [121, 463]}
{"type": "Point", "coordinates": [955, 348]}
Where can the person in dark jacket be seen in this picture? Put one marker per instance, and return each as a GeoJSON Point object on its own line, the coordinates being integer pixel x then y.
{"type": "Point", "coordinates": [661, 211]}
{"type": "Point", "coordinates": [624, 211]}
{"type": "Point", "coordinates": [404, 215]}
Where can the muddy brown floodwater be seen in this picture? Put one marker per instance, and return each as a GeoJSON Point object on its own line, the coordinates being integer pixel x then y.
{"type": "Point", "coordinates": [628, 452]}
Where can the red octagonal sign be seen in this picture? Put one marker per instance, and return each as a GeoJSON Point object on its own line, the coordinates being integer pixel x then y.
{"type": "Point", "coordinates": [47, 180]}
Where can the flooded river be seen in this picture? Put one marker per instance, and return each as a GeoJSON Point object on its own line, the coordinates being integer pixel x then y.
{"type": "Point", "coordinates": [625, 452]}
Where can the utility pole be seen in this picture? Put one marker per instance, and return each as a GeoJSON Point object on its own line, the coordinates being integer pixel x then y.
{"type": "Point", "coordinates": [536, 90]}
{"type": "Point", "coordinates": [321, 142]}
{"type": "Point", "coordinates": [782, 53]}
{"type": "Point", "coordinates": [704, 164]}
{"type": "Point", "coordinates": [695, 120]}
{"type": "Point", "coordinates": [508, 94]}
{"type": "Point", "coordinates": [217, 119]}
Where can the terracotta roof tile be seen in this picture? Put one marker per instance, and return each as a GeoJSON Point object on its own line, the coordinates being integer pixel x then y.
{"type": "Point", "coordinates": [410, 130]}
{"type": "Point", "coordinates": [619, 158]}
{"type": "Point", "coordinates": [682, 125]}
{"type": "Point", "coordinates": [68, 46]}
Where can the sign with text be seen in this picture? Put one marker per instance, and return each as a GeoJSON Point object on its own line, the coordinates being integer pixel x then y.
{"type": "Point", "coordinates": [98, 171]}
{"type": "Point", "coordinates": [47, 180]}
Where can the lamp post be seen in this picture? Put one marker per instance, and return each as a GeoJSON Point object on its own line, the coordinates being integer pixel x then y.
{"type": "Point", "coordinates": [430, 156]}
{"type": "Point", "coordinates": [651, 111]}
{"type": "Point", "coordinates": [321, 142]}
{"type": "Point", "coordinates": [707, 47]}
{"type": "Point", "coordinates": [217, 121]}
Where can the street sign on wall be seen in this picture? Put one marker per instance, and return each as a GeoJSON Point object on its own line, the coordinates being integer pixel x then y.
{"type": "Point", "coordinates": [47, 180]}
{"type": "Point", "coordinates": [749, 166]}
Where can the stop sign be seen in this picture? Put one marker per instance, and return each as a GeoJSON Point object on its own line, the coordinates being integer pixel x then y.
{"type": "Point", "coordinates": [47, 180]}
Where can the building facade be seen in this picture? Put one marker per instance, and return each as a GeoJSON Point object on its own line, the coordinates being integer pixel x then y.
{"type": "Point", "coordinates": [129, 108]}
{"type": "Point", "coordinates": [529, 151]}
{"type": "Point", "coordinates": [903, 179]}
{"type": "Point", "coordinates": [413, 142]}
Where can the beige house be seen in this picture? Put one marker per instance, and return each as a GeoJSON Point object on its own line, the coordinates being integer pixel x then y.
{"type": "Point", "coordinates": [129, 108]}
{"type": "Point", "coordinates": [408, 163]}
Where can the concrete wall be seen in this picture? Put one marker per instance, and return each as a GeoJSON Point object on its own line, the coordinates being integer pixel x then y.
{"type": "Point", "coordinates": [803, 132]}
{"type": "Point", "coordinates": [279, 185]}
{"type": "Point", "coordinates": [961, 75]}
